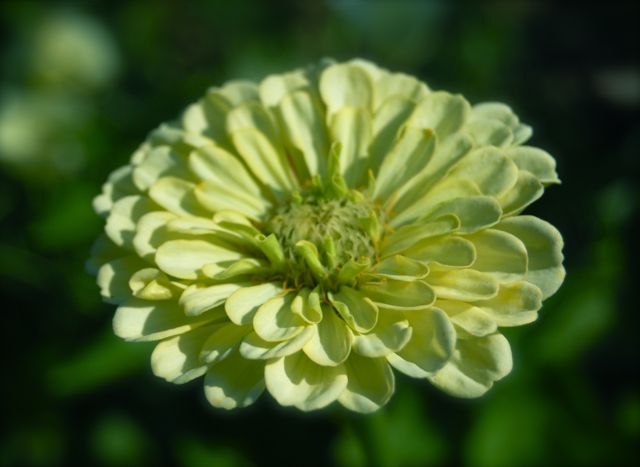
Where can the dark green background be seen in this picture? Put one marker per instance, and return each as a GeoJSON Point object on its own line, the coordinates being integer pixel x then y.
{"type": "Point", "coordinates": [72, 394]}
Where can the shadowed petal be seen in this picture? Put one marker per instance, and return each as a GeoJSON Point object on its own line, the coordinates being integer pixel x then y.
{"type": "Point", "coordinates": [234, 382]}
{"type": "Point", "coordinates": [477, 364]}
{"type": "Point", "coordinates": [371, 384]}
{"type": "Point", "coordinates": [297, 380]}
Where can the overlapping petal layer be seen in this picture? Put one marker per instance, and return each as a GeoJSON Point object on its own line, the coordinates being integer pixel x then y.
{"type": "Point", "coordinates": [309, 233]}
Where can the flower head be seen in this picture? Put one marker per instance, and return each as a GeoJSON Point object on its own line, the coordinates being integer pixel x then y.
{"type": "Point", "coordinates": [309, 233]}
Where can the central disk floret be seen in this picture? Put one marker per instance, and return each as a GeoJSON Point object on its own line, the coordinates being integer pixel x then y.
{"type": "Point", "coordinates": [340, 229]}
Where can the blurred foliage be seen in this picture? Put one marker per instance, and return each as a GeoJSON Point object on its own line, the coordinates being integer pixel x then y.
{"type": "Point", "coordinates": [81, 85]}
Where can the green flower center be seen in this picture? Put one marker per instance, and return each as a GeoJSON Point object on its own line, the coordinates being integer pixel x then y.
{"type": "Point", "coordinates": [342, 230]}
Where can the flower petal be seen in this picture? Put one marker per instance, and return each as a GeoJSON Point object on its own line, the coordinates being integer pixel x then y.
{"type": "Point", "coordinates": [198, 299]}
{"type": "Point", "coordinates": [297, 380]}
{"type": "Point", "coordinates": [472, 319]}
{"type": "Point", "coordinates": [500, 254]}
{"type": "Point", "coordinates": [351, 127]}
{"type": "Point", "coordinates": [271, 248]}
{"type": "Point", "coordinates": [373, 71]}
{"type": "Point", "coordinates": [526, 190]}
{"type": "Point", "coordinates": [176, 195]}
{"type": "Point", "coordinates": [185, 258]}
{"type": "Point", "coordinates": [474, 212]}
{"type": "Point", "coordinates": [409, 235]}
{"type": "Point", "coordinates": [444, 113]}
{"type": "Point", "coordinates": [274, 88]}
{"type": "Point", "coordinates": [194, 226]}
{"type": "Point", "coordinates": [254, 347]}
{"type": "Point", "coordinates": [141, 320]}
{"type": "Point", "coordinates": [345, 85]}
{"type": "Point", "coordinates": [399, 295]}
{"type": "Point", "coordinates": [330, 342]}
{"type": "Point", "coordinates": [391, 333]}
{"type": "Point", "coordinates": [303, 121]}
{"type": "Point", "coordinates": [257, 141]}
{"type": "Point", "coordinates": [103, 250]}
{"type": "Point", "coordinates": [450, 251]}
{"type": "Point", "coordinates": [113, 278]}
{"type": "Point", "coordinates": [161, 161]}
{"type": "Point", "coordinates": [432, 340]}
{"type": "Point", "coordinates": [152, 284]}
{"type": "Point", "coordinates": [521, 134]}
{"type": "Point", "coordinates": [431, 344]}
{"type": "Point", "coordinates": [151, 232]}
{"type": "Point", "coordinates": [536, 161]}
{"type": "Point", "coordinates": [495, 111]}
{"type": "Point", "coordinates": [241, 306]}
{"type": "Point", "coordinates": [177, 359]}
{"type": "Point", "coordinates": [234, 382]}
{"type": "Point", "coordinates": [118, 185]}
{"type": "Point", "coordinates": [387, 122]}
{"type": "Point", "coordinates": [463, 284]}
{"type": "Point", "coordinates": [194, 119]}
{"type": "Point", "coordinates": [307, 305]}
{"type": "Point", "coordinates": [476, 364]}
{"type": "Point", "coordinates": [274, 321]}
{"type": "Point", "coordinates": [489, 132]}
{"type": "Point", "coordinates": [241, 268]}
{"type": "Point", "coordinates": [371, 384]}
{"type": "Point", "coordinates": [214, 164]}
{"type": "Point", "coordinates": [355, 308]}
{"type": "Point", "coordinates": [238, 92]}
{"type": "Point", "coordinates": [174, 135]}
{"type": "Point", "coordinates": [398, 85]}
{"type": "Point", "coordinates": [493, 172]}
{"type": "Point", "coordinates": [222, 230]}
{"type": "Point", "coordinates": [222, 342]}
{"type": "Point", "coordinates": [125, 213]}
{"type": "Point", "coordinates": [544, 250]}
{"type": "Point", "coordinates": [516, 304]}
{"type": "Point", "coordinates": [400, 268]}
{"type": "Point", "coordinates": [226, 184]}
{"type": "Point", "coordinates": [208, 118]}
{"type": "Point", "coordinates": [409, 155]}
{"type": "Point", "coordinates": [419, 189]}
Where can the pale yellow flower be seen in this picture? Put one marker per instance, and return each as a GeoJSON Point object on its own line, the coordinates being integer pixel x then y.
{"type": "Point", "coordinates": [309, 233]}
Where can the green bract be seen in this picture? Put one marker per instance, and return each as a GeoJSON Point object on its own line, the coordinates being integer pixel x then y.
{"type": "Point", "coordinates": [309, 233]}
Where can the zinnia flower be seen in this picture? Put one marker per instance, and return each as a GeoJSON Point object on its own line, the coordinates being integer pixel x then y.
{"type": "Point", "coordinates": [310, 233]}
